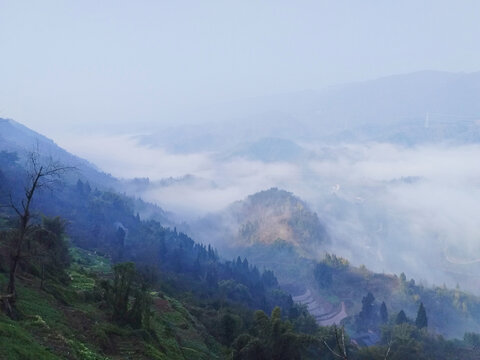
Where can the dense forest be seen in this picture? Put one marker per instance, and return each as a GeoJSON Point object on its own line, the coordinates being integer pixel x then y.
{"type": "Point", "coordinates": [83, 276]}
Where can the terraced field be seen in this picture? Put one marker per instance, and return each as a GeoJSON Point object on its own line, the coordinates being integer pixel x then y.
{"type": "Point", "coordinates": [324, 312]}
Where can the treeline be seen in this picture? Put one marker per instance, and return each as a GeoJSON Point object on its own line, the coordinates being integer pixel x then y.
{"type": "Point", "coordinates": [448, 308]}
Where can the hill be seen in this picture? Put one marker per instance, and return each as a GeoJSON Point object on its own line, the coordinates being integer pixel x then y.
{"type": "Point", "coordinates": [96, 281]}
{"type": "Point", "coordinates": [15, 137]}
{"type": "Point", "coordinates": [264, 218]}
{"type": "Point", "coordinates": [100, 283]}
{"type": "Point", "coordinates": [276, 230]}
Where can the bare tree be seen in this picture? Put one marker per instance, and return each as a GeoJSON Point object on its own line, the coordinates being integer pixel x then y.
{"type": "Point", "coordinates": [340, 342]}
{"type": "Point", "coordinates": [40, 174]}
{"type": "Point", "coordinates": [341, 353]}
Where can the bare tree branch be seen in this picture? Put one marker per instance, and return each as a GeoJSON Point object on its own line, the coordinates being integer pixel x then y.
{"type": "Point", "coordinates": [12, 205]}
{"type": "Point", "coordinates": [341, 347]}
{"type": "Point", "coordinates": [388, 350]}
{"type": "Point", "coordinates": [39, 175]}
{"type": "Point", "coordinates": [332, 351]}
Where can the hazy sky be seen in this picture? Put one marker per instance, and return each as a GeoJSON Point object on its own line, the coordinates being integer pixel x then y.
{"type": "Point", "coordinates": [99, 63]}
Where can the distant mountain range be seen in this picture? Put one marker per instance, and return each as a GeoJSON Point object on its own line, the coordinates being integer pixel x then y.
{"type": "Point", "coordinates": [420, 107]}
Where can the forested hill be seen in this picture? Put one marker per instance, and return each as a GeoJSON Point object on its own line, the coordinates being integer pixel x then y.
{"type": "Point", "coordinates": [220, 296]}
{"type": "Point", "coordinates": [15, 137]}
{"type": "Point", "coordinates": [83, 276]}
{"type": "Point", "coordinates": [105, 222]}
{"type": "Point", "coordinates": [262, 219]}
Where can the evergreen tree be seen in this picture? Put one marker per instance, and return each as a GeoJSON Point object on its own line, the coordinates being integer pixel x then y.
{"type": "Point", "coordinates": [228, 326]}
{"type": "Point", "coordinates": [120, 240]}
{"type": "Point", "coordinates": [383, 313]}
{"type": "Point", "coordinates": [367, 304]}
{"type": "Point", "coordinates": [421, 321]}
{"type": "Point", "coordinates": [323, 274]}
{"type": "Point", "coordinates": [367, 316]}
{"type": "Point", "coordinates": [401, 318]}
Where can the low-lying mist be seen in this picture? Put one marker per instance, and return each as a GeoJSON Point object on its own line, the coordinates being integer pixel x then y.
{"type": "Point", "coordinates": [390, 207]}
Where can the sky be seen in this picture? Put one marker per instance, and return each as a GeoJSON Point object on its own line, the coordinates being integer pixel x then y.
{"type": "Point", "coordinates": [105, 65]}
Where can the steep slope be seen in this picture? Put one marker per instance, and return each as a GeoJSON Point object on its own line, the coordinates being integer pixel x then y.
{"type": "Point", "coordinates": [15, 137]}
{"type": "Point", "coordinates": [200, 304]}
{"type": "Point", "coordinates": [65, 322]}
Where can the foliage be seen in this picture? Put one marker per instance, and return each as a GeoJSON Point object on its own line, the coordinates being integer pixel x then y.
{"type": "Point", "coordinates": [127, 297]}
{"type": "Point", "coordinates": [383, 313]}
{"type": "Point", "coordinates": [270, 338]}
{"type": "Point", "coordinates": [368, 317]}
{"type": "Point", "coordinates": [323, 274]}
{"type": "Point", "coordinates": [335, 261]}
{"type": "Point", "coordinates": [198, 306]}
{"type": "Point", "coordinates": [421, 321]}
{"type": "Point", "coordinates": [401, 318]}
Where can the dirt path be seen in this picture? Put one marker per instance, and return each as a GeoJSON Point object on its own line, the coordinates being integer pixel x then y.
{"type": "Point", "coordinates": [323, 311]}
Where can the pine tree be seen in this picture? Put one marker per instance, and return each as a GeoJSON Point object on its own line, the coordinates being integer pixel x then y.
{"type": "Point", "coordinates": [367, 316]}
{"type": "Point", "coordinates": [421, 321]}
{"type": "Point", "coordinates": [401, 318]}
{"type": "Point", "coordinates": [367, 304]}
{"type": "Point", "coordinates": [383, 313]}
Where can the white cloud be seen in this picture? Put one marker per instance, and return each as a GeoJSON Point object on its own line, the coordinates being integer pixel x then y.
{"type": "Point", "coordinates": [122, 157]}
{"type": "Point", "coordinates": [376, 218]}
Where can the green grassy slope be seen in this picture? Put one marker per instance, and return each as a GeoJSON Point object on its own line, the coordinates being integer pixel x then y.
{"type": "Point", "coordinates": [65, 322]}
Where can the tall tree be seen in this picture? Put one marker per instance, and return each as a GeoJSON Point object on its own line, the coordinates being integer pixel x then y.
{"type": "Point", "coordinates": [39, 174]}
{"type": "Point", "coordinates": [421, 321]}
{"type": "Point", "coordinates": [383, 313]}
{"type": "Point", "coordinates": [401, 318]}
{"type": "Point", "coordinates": [367, 316]}
{"type": "Point", "coordinates": [127, 296]}
{"type": "Point", "coordinates": [50, 247]}
{"type": "Point", "coordinates": [323, 274]}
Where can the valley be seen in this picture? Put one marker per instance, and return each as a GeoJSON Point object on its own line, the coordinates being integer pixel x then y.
{"type": "Point", "coordinates": [320, 258]}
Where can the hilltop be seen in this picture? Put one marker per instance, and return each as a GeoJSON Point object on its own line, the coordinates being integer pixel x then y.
{"type": "Point", "coordinates": [266, 217]}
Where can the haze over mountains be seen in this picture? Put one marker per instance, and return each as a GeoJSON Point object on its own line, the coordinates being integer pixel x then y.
{"type": "Point", "coordinates": [277, 230]}
{"type": "Point", "coordinates": [241, 180]}
{"type": "Point", "coordinates": [426, 106]}
{"type": "Point", "coordinates": [389, 166]}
